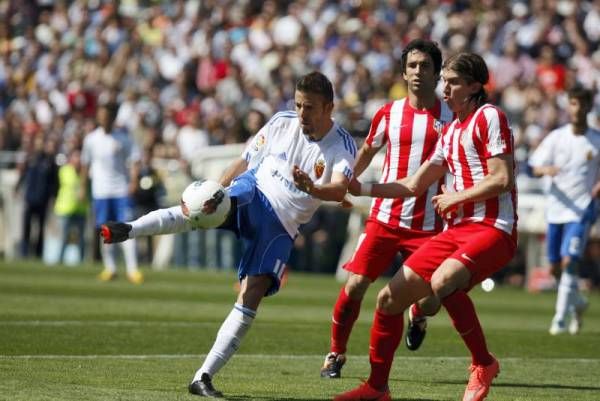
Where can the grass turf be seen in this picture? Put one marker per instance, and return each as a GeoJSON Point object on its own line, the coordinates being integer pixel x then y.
{"type": "Point", "coordinates": [66, 336]}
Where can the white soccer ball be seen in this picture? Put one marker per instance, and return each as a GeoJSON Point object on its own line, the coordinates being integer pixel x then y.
{"type": "Point", "coordinates": [194, 197]}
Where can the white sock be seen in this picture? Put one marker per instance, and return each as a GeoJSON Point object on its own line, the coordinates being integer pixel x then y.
{"type": "Point", "coordinates": [568, 294]}
{"type": "Point", "coordinates": [130, 255]}
{"type": "Point", "coordinates": [108, 257]}
{"type": "Point", "coordinates": [228, 340]}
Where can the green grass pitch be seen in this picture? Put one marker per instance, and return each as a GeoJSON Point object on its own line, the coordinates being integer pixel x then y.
{"type": "Point", "coordinates": [66, 336]}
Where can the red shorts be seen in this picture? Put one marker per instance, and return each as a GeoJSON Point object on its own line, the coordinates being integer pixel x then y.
{"type": "Point", "coordinates": [482, 249]}
{"type": "Point", "coordinates": [378, 245]}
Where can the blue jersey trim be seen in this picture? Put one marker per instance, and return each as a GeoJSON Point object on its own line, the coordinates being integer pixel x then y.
{"type": "Point", "coordinates": [349, 143]}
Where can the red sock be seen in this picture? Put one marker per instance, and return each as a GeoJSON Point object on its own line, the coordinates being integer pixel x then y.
{"type": "Point", "coordinates": [462, 312]}
{"type": "Point", "coordinates": [416, 311]}
{"type": "Point", "coordinates": [345, 313]}
{"type": "Point", "coordinates": [386, 333]}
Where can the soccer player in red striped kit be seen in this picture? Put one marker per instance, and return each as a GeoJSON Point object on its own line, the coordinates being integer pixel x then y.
{"type": "Point", "coordinates": [480, 209]}
{"type": "Point", "coordinates": [409, 129]}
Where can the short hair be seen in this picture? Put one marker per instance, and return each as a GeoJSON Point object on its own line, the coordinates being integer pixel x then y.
{"type": "Point", "coordinates": [582, 94]}
{"type": "Point", "coordinates": [316, 82]}
{"type": "Point", "coordinates": [425, 46]}
{"type": "Point", "coordinates": [472, 68]}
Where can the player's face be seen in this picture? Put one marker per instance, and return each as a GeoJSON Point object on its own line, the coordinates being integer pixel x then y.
{"type": "Point", "coordinates": [314, 113]}
{"type": "Point", "coordinates": [457, 91]}
{"type": "Point", "coordinates": [578, 111]}
{"type": "Point", "coordinates": [420, 73]}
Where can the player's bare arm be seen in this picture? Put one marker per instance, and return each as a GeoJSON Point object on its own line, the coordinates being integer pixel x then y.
{"type": "Point", "coordinates": [407, 187]}
{"type": "Point", "coordinates": [236, 168]}
{"type": "Point", "coordinates": [498, 181]}
{"type": "Point", "coordinates": [550, 171]}
{"type": "Point", "coordinates": [332, 191]}
{"type": "Point", "coordinates": [364, 158]}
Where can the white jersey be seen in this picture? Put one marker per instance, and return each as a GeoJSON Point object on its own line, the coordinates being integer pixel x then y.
{"type": "Point", "coordinates": [280, 145]}
{"type": "Point", "coordinates": [578, 160]}
{"type": "Point", "coordinates": [108, 158]}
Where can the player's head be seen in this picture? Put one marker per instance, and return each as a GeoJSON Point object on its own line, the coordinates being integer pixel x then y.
{"type": "Point", "coordinates": [421, 63]}
{"type": "Point", "coordinates": [581, 101]}
{"type": "Point", "coordinates": [105, 116]}
{"type": "Point", "coordinates": [464, 75]}
{"type": "Point", "coordinates": [314, 104]}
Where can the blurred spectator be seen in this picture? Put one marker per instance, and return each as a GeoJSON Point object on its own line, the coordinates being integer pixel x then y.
{"type": "Point", "coordinates": [147, 195]}
{"type": "Point", "coordinates": [39, 180]}
{"type": "Point", "coordinates": [71, 205]}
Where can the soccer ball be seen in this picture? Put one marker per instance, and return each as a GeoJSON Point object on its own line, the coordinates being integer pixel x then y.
{"type": "Point", "coordinates": [194, 197]}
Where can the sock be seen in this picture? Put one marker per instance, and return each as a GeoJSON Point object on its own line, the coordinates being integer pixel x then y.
{"type": "Point", "coordinates": [416, 312]}
{"type": "Point", "coordinates": [345, 313]}
{"type": "Point", "coordinates": [386, 333]}
{"type": "Point", "coordinates": [108, 257]}
{"type": "Point", "coordinates": [228, 340]}
{"type": "Point", "coordinates": [568, 295]}
{"type": "Point", "coordinates": [464, 318]}
{"type": "Point", "coordinates": [130, 255]}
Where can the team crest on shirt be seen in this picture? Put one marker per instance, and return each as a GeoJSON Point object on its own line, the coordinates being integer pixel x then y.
{"type": "Point", "coordinates": [438, 126]}
{"type": "Point", "coordinates": [589, 156]}
{"type": "Point", "coordinates": [259, 142]}
{"type": "Point", "coordinates": [319, 168]}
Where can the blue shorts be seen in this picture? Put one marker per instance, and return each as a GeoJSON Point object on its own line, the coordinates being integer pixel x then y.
{"type": "Point", "coordinates": [570, 239]}
{"type": "Point", "coordinates": [266, 243]}
{"type": "Point", "coordinates": [115, 209]}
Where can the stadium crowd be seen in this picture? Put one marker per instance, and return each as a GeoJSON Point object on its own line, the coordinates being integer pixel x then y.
{"type": "Point", "coordinates": [190, 74]}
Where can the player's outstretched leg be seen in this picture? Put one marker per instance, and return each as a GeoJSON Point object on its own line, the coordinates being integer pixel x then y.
{"type": "Point", "coordinates": [204, 387]}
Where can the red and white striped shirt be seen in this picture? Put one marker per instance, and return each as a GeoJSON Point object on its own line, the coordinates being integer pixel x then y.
{"type": "Point", "coordinates": [410, 135]}
{"type": "Point", "coordinates": [465, 148]}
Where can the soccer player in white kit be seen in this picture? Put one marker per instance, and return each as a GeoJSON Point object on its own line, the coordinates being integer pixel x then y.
{"type": "Point", "coordinates": [570, 159]}
{"type": "Point", "coordinates": [296, 161]}
{"type": "Point", "coordinates": [109, 158]}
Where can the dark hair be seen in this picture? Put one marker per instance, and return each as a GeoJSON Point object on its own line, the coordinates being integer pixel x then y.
{"type": "Point", "coordinates": [316, 82]}
{"type": "Point", "coordinates": [472, 68]}
{"type": "Point", "coordinates": [582, 94]}
{"type": "Point", "coordinates": [425, 46]}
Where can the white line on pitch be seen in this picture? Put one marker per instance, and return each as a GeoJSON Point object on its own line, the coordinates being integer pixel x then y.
{"type": "Point", "coordinates": [283, 356]}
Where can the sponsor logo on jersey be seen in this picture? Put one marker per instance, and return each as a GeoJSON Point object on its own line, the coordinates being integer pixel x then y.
{"type": "Point", "coordinates": [282, 156]}
{"type": "Point", "coordinates": [319, 168]}
{"type": "Point", "coordinates": [259, 142]}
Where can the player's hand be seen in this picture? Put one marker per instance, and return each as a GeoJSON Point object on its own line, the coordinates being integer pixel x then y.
{"type": "Point", "coordinates": [346, 203]}
{"type": "Point", "coordinates": [446, 203]}
{"type": "Point", "coordinates": [210, 206]}
{"type": "Point", "coordinates": [551, 171]}
{"type": "Point", "coordinates": [302, 181]}
{"type": "Point", "coordinates": [354, 187]}
{"type": "Point", "coordinates": [114, 231]}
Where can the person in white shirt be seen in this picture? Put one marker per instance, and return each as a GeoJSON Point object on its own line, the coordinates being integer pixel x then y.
{"type": "Point", "coordinates": [569, 159]}
{"type": "Point", "coordinates": [109, 158]}
{"type": "Point", "coordinates": [296, 161]}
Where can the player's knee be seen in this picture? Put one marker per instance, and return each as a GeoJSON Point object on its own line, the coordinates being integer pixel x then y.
{"type": "Point", "coordinates": [357, 285]}
{"type": "Point", "coordinates": [386, 302]}
{"type": "Point", "coordinates": [430, 305]}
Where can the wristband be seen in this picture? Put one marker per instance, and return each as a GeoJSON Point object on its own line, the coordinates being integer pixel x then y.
{"type": "Point", "coordinates": [365, 189]}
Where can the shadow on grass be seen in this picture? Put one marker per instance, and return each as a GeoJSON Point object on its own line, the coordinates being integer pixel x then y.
{"type": "Point", "coordinates": [524, 385]}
